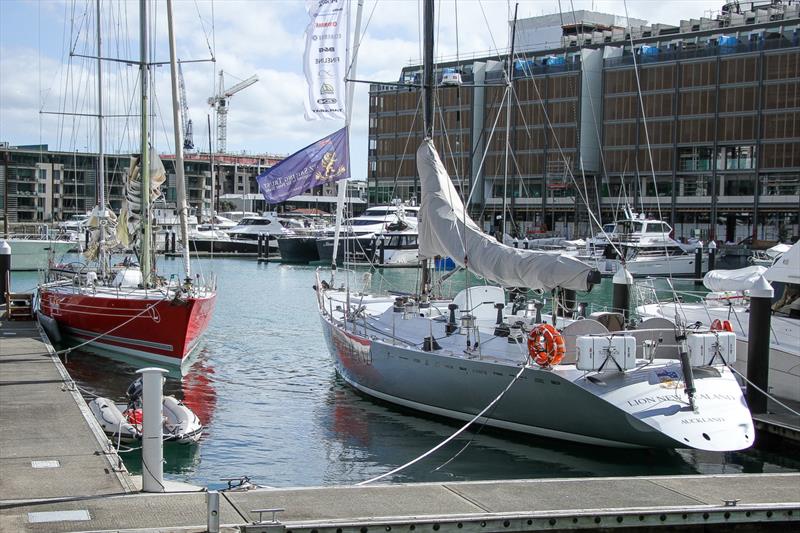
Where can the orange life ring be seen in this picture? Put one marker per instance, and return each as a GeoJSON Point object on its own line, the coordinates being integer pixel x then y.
{"type": "Point", "coordinates": [721, 325]}
{"type": "Point", "coordinates": [546, 345]}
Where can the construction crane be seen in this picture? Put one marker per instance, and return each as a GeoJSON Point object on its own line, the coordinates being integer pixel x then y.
{"type": "Point", "coordinates": [220, 103]}
{"type": "Point", "coordinates": [188, 142]}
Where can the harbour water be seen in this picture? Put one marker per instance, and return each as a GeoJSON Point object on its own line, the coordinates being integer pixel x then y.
{"type": "Point", "coordinates": [264, 385]}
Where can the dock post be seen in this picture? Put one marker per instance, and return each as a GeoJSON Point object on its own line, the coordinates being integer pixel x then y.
{"type": "Point", "coordinates": [212, 506]}
{"type": "Point", "coordinates": [172, 244]}
{"type": "Point", "coordinates": [382, 256]}
{"type": "Point", "coordinates": [259, 248]}
{"type": "Point", "coordinates": [712, 255]}
{"type": "Point", "coordinates": [5, 269]}
{"type": "Point", "coordinates": [759, 329]}
{"type": "Point", "coordinates": [152, 429]}
{"type": "Point", "coordinates": [621, 298]}
{"type": "Point", "coordinates": [698, 264]}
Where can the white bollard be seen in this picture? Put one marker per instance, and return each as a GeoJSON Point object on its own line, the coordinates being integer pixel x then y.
{"type": "Point", "coordinates": [152, 429]}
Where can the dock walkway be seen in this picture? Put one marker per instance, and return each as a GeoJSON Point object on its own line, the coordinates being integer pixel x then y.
{"type": "Point", "coordinates": [50, 444]}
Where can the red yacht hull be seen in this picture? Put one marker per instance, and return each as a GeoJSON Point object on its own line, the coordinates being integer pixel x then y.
{"type": "Point", "coordinates": [151, 328]}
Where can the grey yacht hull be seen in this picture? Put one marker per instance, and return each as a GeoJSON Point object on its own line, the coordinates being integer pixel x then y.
{"type": "Point", "coordinates": [541, 403]}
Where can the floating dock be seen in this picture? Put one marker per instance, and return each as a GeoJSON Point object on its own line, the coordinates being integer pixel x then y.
{"type": "Point", "coordinates": [50, 444]}
{"type": "Point", "coordinates": [58, 472]}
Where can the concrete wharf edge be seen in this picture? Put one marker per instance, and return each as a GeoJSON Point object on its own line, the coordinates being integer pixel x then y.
{"type": "Point", "coordinates": [44, 418]}
{"type": "Point", "coordinates": [673, 502]}
{"type": "Point", "coordinates": [34, 385]}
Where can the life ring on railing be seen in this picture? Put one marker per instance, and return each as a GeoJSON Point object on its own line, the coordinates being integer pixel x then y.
{"type": "Point", "coordinates": [546, 345]}
{"type": "Point", "coordinates": [721, 325]}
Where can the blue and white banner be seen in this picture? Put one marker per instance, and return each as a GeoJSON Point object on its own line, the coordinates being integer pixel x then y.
{"type": "Point", "coordinates": [326, 58]}
{"type": "Point", "coordinates": [325, 161]}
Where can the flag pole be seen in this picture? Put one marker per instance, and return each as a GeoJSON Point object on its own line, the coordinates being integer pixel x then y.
{"type": "Point", "coordinates": [350, 74]}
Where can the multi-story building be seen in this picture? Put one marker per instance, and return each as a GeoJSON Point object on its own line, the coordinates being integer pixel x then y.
{"type": "Point", "coordinates": [697, 123]}
{"type": "Point", "coordinates": [39, 185]}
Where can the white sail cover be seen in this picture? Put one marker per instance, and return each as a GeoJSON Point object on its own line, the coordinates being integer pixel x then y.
{"type": "Point", "coordinates": [446, 230]}
{"type": "Point", "coordinates": [787, 267]}
{"type": "Point", "coordinates": [741, 279]}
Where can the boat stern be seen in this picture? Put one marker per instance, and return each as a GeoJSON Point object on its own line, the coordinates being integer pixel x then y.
{"type": "Point", "coordinates": [656, 396]}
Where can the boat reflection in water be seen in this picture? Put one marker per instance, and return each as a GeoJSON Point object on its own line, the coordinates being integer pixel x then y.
{"type": "Point", "coordinates": [372, 437]}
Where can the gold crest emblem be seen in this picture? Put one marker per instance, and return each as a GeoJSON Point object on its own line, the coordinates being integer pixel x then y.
{"type": "Point", "coordinates": [329, 169]}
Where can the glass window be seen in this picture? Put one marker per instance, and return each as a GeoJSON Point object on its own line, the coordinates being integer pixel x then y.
{"type": "Point", "coordinates": [737, 157]}
{"type": "Point", "coordinates": [739, 185]}
{"type": "Point", "coordinates": [657, 227]}
{"type": "Point", "coordinates": [695, 158]}
{"type": "Point", "coordinates": [695, 185]}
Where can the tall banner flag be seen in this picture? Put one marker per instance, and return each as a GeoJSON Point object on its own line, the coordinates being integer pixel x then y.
{"type": "Point", "coordinates": [326, 58]}
{"type": "Point", "coordinates": [325, 161]}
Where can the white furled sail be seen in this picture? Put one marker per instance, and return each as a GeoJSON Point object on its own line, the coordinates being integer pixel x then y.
{"type": "Point", "coordinates": [130, 217]}
{"type": "Point", "coordinates": [741, 279]}
{"type": "Point", "coordinates": [446, 230]}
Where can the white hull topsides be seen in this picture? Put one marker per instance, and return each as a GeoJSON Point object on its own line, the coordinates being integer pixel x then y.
{"type": "Point", "coordinates": [677, 265]}
{"type": "Point", "coordinates": [381, 354]}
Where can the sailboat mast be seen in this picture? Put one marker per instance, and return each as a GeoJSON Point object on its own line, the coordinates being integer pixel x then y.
{"type": "Point", "coordinates": [427, 111]}
{"type": "Point", "coordinates": [509, 92]}
{"type": "Point", "coordinates": [177, 126]}
{"type": "Point", "coordinates": [428, 71]}
{"type": "Point", "coordinates": [144, 160]}
{"type": "Point", "coordinates": [101, 164]}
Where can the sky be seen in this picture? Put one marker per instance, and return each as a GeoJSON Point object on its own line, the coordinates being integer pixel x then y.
{"type": "Point", "coordinates": [246, 37]}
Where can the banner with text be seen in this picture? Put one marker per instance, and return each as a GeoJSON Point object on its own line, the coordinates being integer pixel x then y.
{"type": "Point", "coordinates": [325, 161]}
{"type": "Point", "coordinates": [325, 60]}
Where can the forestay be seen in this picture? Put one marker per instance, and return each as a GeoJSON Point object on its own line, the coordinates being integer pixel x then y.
{"type": "Point", "coordinates": [446, 230]}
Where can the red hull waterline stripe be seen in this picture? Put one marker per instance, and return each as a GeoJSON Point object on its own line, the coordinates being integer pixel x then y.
{"type": "Point", "coordinates": [134, 342]}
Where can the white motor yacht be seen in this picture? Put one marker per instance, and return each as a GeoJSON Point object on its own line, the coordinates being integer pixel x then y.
{"type": "Point", "coordinates": [361, 236]}
{"type": "Point", "coordinates": [644, 245]}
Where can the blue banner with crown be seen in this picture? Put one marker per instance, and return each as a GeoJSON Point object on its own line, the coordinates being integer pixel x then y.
{"type": "Point", "coordinates": [325, 161]}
